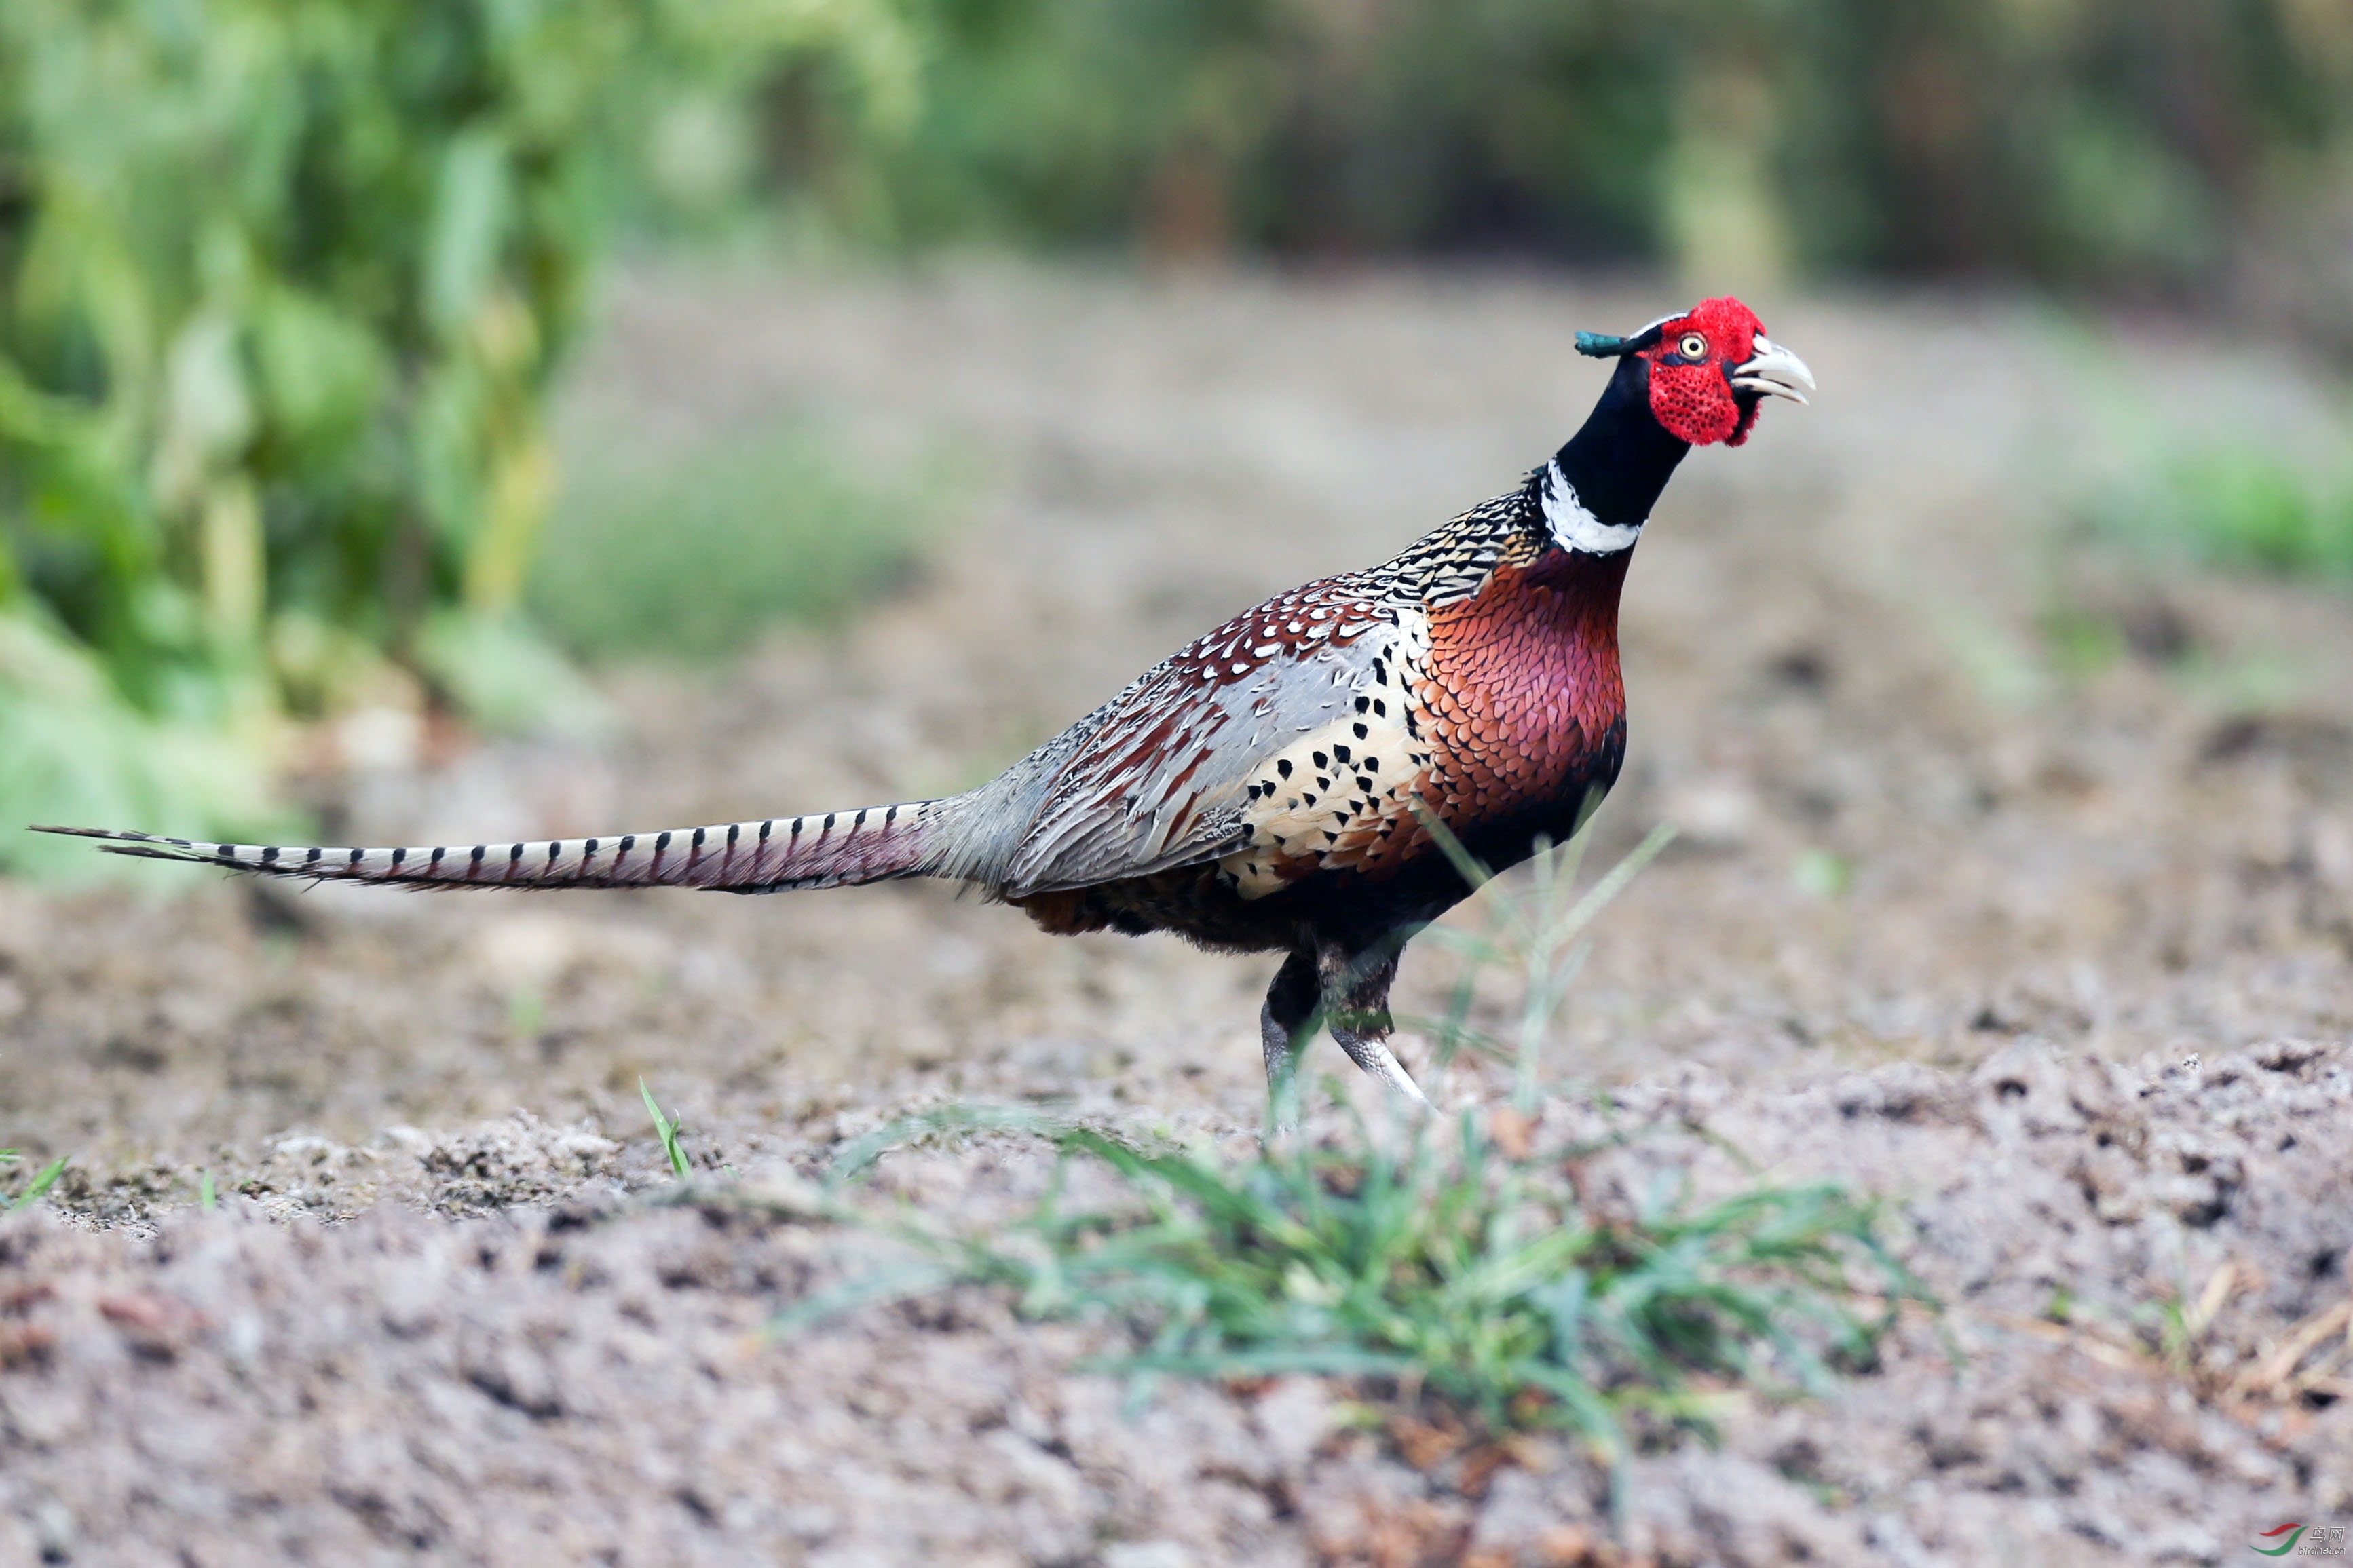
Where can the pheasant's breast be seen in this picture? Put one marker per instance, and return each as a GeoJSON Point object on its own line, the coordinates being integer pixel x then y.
{"type": "Point", "coordinates": [1472, 711]}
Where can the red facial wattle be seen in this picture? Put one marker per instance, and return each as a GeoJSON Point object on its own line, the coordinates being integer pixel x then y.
{"type": "Point", "coordinates": [1691, 395]}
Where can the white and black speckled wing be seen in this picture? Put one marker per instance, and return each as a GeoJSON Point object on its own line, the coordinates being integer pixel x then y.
{"type": "Point", "coordinates": [1164, 774]}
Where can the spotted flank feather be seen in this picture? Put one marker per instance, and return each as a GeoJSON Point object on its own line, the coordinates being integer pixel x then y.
{"type": "Point", "coordinates": [831, 849]}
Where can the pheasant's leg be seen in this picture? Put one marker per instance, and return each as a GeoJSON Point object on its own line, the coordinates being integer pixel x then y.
{"type": "Point", "coordinates": [1286, 1020]}
{"type": "Point", "coordinates": [1289, 1013]}
{"type": "Point", "coordinates": [1356, 1010]}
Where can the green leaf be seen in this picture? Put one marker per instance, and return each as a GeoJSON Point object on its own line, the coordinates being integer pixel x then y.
{"type": "Point", "coordinates": [321, 371]}
{"type": "Point", "coordinates": [73, 751]}
{"type": "Point", "coordinates": [472, 202]}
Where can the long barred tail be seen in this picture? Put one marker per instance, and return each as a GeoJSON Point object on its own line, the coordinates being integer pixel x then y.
{"type": "Point", "coordinates": [873, 845]}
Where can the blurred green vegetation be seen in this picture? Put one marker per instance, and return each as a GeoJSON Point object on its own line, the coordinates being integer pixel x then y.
{"type": "Point", "coordinates": [692, 556]}
{"type": "Point", "coordinates": [2245, 505]}
{"type": "Point", "coordinates": [282, 285]}
{"type": "Point", "coordinates": [2136, 144]}
{"type": "Point", "coordinates": [73, 749]}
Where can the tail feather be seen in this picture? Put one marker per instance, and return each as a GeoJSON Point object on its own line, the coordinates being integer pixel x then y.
{"type": "Point", "coordinates": [828, 849]}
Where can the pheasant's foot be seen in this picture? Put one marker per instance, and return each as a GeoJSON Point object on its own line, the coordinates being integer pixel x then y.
{"type": "Point", "coordinates": [1375, 1056]}
{"type": "Point", "coordinates": [1356, 986]}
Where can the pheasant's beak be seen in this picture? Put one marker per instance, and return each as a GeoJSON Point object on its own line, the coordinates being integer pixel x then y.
{"type": "Point", "coordinates": [1773, 372]}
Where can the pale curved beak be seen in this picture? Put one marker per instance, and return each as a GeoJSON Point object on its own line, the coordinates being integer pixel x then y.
{"type": "Point", "coordinates": [1774, 372]}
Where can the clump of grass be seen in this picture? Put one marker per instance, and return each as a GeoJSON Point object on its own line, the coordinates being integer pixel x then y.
{"type": "Point", "coordinates": [692, 557]}
{"type": "Point", "coordinates": [1437, 1266]}
{"type": "Point", "coordinates": [1445, 1265]}
{"type": "Point", "coordinates": [2245, 506]}
{"type": "Point", "coordinates": [667, 1131]}
{"type": "Point", "coordinates": [1449, 1260]}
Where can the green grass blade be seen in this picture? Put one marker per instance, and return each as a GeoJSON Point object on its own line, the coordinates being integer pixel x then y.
{"type": "Point", "coordinates": [1615, 880]}
{"type": "Point", "coordinates": [667, 1131]}
{"type": "Point", "coordinates": [39, 1185]}
{"type": "Point", "coordinates": [1474, 873]}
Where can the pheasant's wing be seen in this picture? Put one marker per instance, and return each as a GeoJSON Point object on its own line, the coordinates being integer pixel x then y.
{"type": "Point", "coordinates": [1169, 771]}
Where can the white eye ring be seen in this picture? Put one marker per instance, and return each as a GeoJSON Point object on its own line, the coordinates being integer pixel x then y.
{"type": "Point", "coordinates": [1694, 346]}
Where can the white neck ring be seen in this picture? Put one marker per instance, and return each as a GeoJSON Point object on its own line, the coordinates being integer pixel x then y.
{"type": "Point", "coordinates": [1578, 529]}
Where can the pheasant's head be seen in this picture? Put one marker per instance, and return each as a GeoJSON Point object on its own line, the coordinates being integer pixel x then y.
{"type": "Point", "coordinates": [1709, 370]}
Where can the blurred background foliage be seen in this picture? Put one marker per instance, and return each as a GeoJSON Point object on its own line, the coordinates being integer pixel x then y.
{"type": "Point", "coordinates": [284, 284]}
{"type": "Point", "coordinates": [688, 557]}
{"type": "Point", "coordinates": [2136, 144]}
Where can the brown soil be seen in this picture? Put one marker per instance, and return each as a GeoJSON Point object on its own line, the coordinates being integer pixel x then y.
{"type": "Point", "coordinates": [2057, 956]}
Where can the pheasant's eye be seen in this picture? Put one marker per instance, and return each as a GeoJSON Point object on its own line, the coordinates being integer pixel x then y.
{"type": "Point", "coordinates": [1694, 346]}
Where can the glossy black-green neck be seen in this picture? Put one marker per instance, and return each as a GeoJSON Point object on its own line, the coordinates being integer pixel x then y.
{"type": "Point", "coordinates": [1622, 458]}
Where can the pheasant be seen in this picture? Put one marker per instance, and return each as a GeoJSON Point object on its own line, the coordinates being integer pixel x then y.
{"type": "Point", "coordinates": [1276, 786]}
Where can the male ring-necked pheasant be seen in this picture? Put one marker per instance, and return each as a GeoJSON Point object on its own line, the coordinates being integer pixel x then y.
{"type": "Point", "coordinates": [1269, 787]}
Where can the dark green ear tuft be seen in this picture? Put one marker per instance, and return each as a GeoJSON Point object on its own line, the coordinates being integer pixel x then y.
{"type": "Point", "coordinates": [1599, 345]}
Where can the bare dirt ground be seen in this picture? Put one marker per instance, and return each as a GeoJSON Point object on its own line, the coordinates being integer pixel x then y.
{"type": "Point", "coordinates": [2059, 958]}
